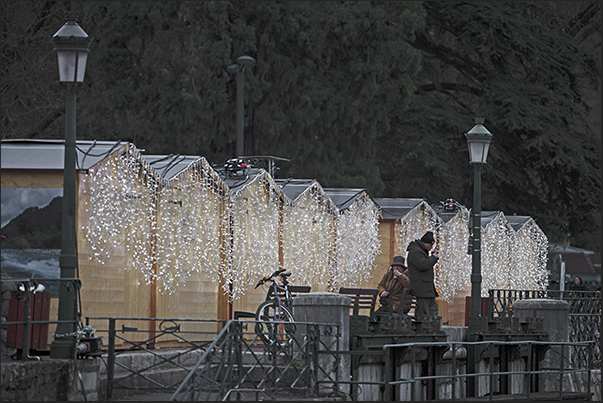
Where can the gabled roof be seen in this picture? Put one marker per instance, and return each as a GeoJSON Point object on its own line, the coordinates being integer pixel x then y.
{"type": "Point", "coordinates": [239, 180]}
{"type": "Point", "coordinates": [518, 221]}
{"type": "Point", "coordinates": [488, 216]}
{"type": "Point", "coordinates": [293, 188]}
{"type": "Point", "coordinates": [395, 209]}
{"type": "Point", "coordinates": [50, 154]}
{"type": "Point", "coordinates": [168, 166]}
{"type": "Point", "coordinates": [345, 197]}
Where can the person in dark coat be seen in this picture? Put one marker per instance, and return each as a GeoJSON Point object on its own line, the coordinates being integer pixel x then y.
{"type": "Point", "coordinates": [392, 286]}
{"type": "Point", "coordinates": [421, 274]}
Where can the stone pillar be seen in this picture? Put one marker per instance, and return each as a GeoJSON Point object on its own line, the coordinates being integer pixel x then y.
{"type": "Point", "coordinates": [555, 321]}
{"type": "Point", "coordinates": [327, 307]}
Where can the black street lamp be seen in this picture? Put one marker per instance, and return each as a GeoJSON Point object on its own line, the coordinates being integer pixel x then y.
{"type": "Point", "coordinates": [478, 140]}
{"type": "Point", "coordinates": [239, 68]}
{"type": "Point", "coordinates": [71, 44]}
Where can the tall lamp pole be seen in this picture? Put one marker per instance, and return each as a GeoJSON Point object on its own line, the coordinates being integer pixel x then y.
{"type": "Point", "coordinates": [478, 140]}
{"type": "Point", "coordinates": [239, 68]}
{"type": "Point", "coordinates": [71, 44]}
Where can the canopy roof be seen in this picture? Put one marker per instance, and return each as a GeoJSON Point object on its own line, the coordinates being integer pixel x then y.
{"type": "Point", "coordinates": [345, 197]}
{"type": "Point", "coordinates": [395, 209]}
{"type": "Point", "coordinates": [171, 165]}
{"type": "Point", "coordinates": [293, 188]}
{"type": "Point", "coordinates": [50, 154]}
{"type": "Point", "coordinates": [518, 221]}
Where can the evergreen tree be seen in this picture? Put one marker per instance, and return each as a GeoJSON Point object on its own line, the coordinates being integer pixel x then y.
{"type": "Point", "coordinates": [356, 94]}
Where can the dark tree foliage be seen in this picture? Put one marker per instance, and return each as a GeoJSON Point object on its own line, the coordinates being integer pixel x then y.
{"type": "Point", "coordinates": [516, 65]}
{"type": "Point", "coordinates": [376, 95]}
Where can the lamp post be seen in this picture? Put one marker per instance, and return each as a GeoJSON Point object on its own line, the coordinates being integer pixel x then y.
{"type": "Point", "coordinates": [478, 140]}
{"type": "Point", "coordinates": [239, 68]}
{"type": "Point", "coordinates": [71, 44]}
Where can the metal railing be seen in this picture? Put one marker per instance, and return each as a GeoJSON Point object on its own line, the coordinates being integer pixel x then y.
{"type": "Point", "coordinates": [212, 359]}
{"type": "Point", "coordinates": [239, 365]}
{"type": "Point", "coordinates": [584, 315]}
{"type": "Point", "coordinates": [494, 380]}
{"type": "Point", "coordinates": [151, 354]}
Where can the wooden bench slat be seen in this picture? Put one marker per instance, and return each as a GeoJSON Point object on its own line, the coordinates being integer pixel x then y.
{"type": "Point", "coordinates": [362, 298]}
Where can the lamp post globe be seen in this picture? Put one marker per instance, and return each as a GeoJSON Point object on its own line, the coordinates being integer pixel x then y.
{"type": "Point", "coordinates": [478, 140]}
{"type": "Point", "coordinates": [71, 44]}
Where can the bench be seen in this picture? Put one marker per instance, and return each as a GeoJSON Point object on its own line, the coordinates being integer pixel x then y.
{"type": "Point", "coordinates": [295, 290]}
{"type": "Point", "coordinates": [361, 299]}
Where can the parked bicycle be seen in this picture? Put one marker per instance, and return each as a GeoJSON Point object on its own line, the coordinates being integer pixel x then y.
{"type": "Point", "coordinates": [275, 322]}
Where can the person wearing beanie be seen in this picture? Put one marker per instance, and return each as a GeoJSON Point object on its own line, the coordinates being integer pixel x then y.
{"type": "Point", "coordinates": [421, 274]}
{"type": "Point", "coordinates": [392, 285]}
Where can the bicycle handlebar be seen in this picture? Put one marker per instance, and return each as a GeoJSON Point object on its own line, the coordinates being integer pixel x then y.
{"type": "Point", "coordinates": [275, 274]}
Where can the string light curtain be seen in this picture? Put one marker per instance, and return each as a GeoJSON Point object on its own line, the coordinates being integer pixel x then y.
{"type": "Point", "coordinates": [171, 229]}
{"type": "Point", "coordinates": [121, 209]}
{"type": "Point", "coordinates": [454, 265]}
{"type": "Point", "coordinates": [256, 234]}
{"type": "Point", "coordinates": [309, 239]}
{"type": "Point", "coordinates": [204, 197]}
{"type": "Point", "coordinates": [497, 245]}
{"type": "Point", "coordinates": [529, 256]}
{"type": "Point", "coordinates": [357, 243]}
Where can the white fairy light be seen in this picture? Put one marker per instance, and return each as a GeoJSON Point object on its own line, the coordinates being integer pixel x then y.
{"type": "Point", "coordinates": [256, 234]}
{"type": "Point", "coordinates": [357, 243]}
{"type": "Point", "coordinates": [454, 265]}
{"type": "Point", "coordinates": [309, 239]}
{"type": "Point", "coordinates": [529, 258]}
{"type": "Point", "coordinates": [172, 229]}
{"type": "Point", "coordinates": [497, 239]}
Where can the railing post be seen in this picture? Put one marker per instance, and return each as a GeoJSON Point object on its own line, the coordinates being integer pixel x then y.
{"type": "Point", "coordinates": [111, 358]}
{"type": "Point", "coordinates": [26, 324]}
{"type": "Point", "coordinates": [453, 372]}
{"type": "Point", "coordinates": [413, 362]}
{"type": "Point", "coordinates": [386, 375]}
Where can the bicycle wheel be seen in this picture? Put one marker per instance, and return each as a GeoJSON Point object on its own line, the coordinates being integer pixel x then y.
{"type": "Point", "coordinates": [275, 324]}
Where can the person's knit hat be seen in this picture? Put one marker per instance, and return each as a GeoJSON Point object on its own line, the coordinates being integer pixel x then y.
{"type": "Point", "coordinates": [428, 237]}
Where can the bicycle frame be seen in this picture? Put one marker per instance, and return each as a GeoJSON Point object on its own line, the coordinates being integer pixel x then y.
{"type": "Point", "coordinates": [273, 293]}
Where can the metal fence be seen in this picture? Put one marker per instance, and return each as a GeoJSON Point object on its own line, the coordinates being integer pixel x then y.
{"type": "Point", "coordinates": [584, 315]}
{"type": "Point", "coordinates": [495, 381]}
{"type": "Point", "coordinates": [216, 360]}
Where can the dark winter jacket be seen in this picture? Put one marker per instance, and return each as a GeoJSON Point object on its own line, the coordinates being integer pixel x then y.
{"type": "Point", "coordinates": [420, 270]}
